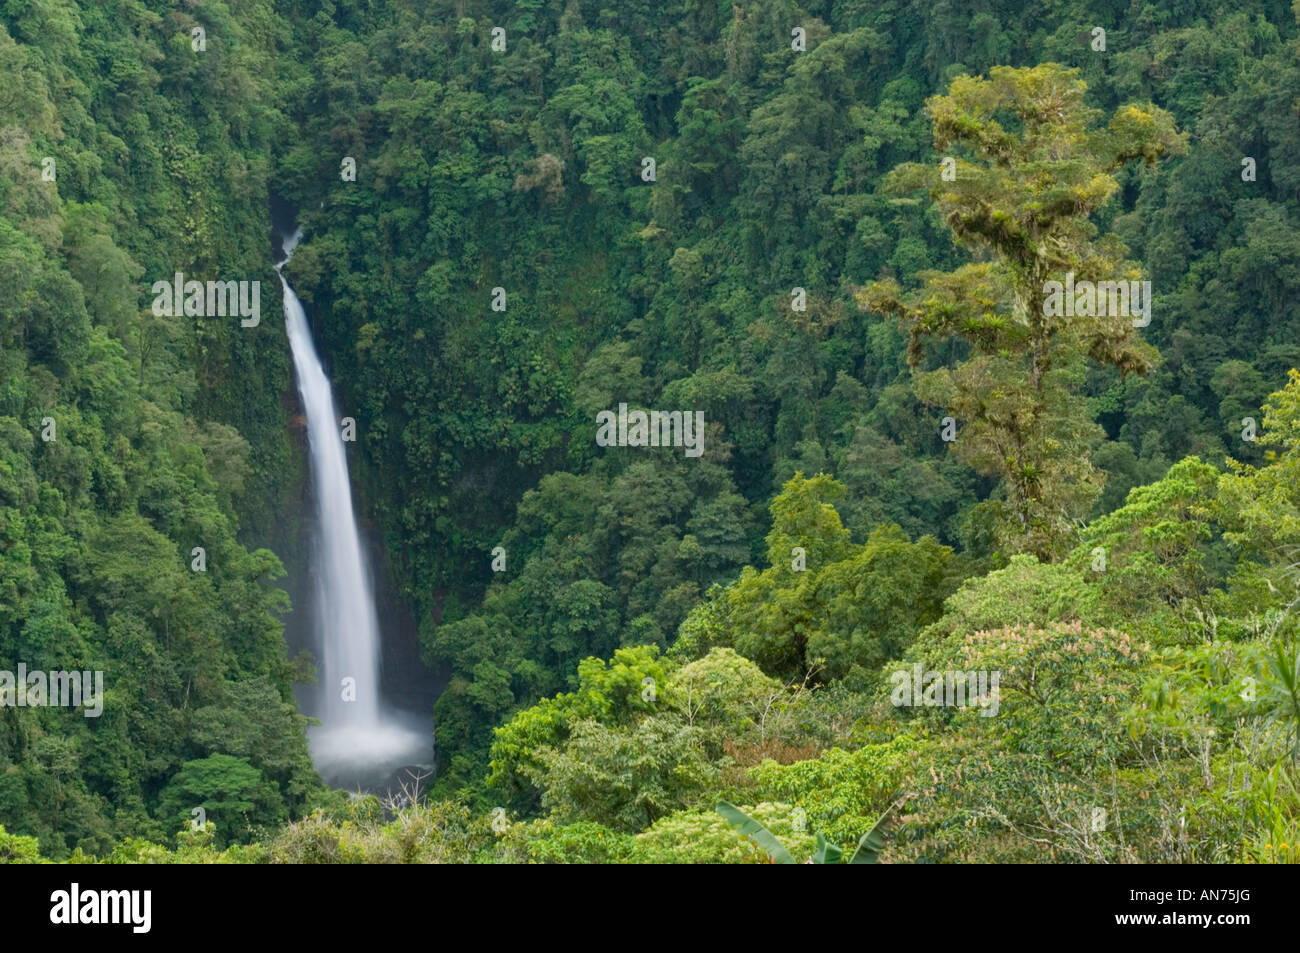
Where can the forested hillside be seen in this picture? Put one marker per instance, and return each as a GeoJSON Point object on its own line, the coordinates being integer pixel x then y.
{"type": "Point", "coordinates": [829, 228]}
{"type": "Point", "coordinates": [130, 439]}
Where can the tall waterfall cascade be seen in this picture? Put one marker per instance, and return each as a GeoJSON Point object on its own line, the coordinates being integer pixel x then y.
{"type": "Point", "coordinates": [357, 740]}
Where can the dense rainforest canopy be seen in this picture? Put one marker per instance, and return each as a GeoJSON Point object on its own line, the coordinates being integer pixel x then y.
{"type": "Point", "coordinates": [830, 228]}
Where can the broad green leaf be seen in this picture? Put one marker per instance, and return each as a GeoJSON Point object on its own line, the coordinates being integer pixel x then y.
{"type": "Point", "coordinates": [827, 853]}
{"type": "Point", "coordinates": [760, 835]}
{"type": "Point", "coordinates": [871, 843]}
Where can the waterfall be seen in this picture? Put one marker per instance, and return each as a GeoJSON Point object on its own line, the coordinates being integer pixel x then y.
{"type": "Point", "coordinates": [356, 738]}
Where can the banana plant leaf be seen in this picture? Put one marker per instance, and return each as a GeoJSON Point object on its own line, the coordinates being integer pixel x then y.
{"type": "Point", "coordinates": [872, 842]}
{"type": "Point", "coordinates": [827, 853]}
{"type": "Point", "coordinates": [760, 835]}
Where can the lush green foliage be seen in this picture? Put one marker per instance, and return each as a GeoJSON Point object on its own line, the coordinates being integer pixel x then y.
{"type": "Point", "coordinates": [126, 439]}
{"type": "Point", "coordinates": [1114, 530]}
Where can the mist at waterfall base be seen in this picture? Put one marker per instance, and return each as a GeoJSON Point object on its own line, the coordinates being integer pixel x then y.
{"type": "Point", "coordinates": [360, 743]}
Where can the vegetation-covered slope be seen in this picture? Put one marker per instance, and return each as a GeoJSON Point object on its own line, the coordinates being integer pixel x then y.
{"type": "Point", "coordinates": [127, 439]}
{"type": "Point", "coordinates": [490, 263]}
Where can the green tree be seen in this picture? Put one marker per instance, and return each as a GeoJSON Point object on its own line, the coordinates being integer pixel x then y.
{"type": "Point", "coordinates": [826, 607]}
{"type": "Point", "coordinates": [234, 796]}
{"type": "Point", "coordinates": [634, 683]}
{"type": "Point", "coordinates": [1030, 171]}
{"type": "Point", "coordinates": [624, 778]}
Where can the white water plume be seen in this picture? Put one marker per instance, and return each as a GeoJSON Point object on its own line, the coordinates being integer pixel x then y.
{"type": "Point", "coordinates": [356, 737]}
